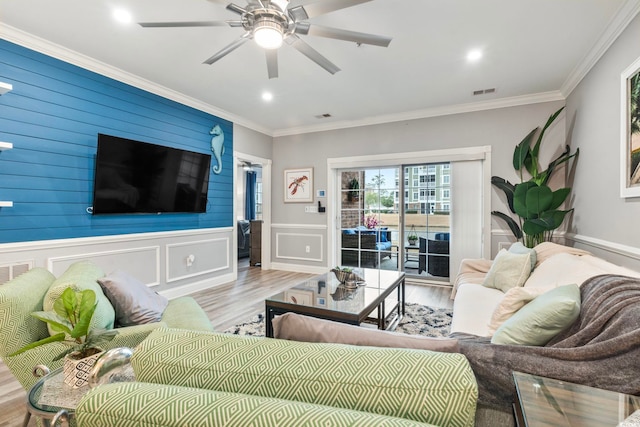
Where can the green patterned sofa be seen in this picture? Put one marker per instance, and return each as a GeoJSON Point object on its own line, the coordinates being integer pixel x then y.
{"type": "Point", "coordinates": [26, 293]}
{"type": "Point", "coordinates": [212, 379]}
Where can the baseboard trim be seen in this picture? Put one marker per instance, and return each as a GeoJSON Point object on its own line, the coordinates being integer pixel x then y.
{"type": "Point", "coordinates": [202, 285]}
{"type": "Point", "coordinates": [297, 268]}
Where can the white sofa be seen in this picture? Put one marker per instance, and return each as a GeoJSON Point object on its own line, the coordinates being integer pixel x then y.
{"type": "Point", "coordinates": [556, 265]}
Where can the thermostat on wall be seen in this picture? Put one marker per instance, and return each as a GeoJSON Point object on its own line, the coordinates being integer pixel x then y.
{"type": "Point", "coordinates": [321, 193]}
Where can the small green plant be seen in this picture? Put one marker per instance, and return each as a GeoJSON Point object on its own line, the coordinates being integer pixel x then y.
{"type": "Point", "coordinates": [535, 204]}
{"type": "Point", "coordinates": [344, 269]}
{"type": "Point", "coordinates": [71, 318]}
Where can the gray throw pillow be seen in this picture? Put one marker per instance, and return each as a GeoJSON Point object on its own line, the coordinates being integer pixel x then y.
{"type": "Point", "coordinates": [132, 300]}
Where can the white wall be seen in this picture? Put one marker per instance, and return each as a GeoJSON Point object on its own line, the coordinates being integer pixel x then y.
{"type": "Point", "coordinates": [500, 128]}
{"type": "Point", "coordinates": [603, 222]}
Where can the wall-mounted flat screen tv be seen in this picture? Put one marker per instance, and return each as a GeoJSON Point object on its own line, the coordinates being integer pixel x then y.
{"type": "Point", "coordinates": [138, 177]}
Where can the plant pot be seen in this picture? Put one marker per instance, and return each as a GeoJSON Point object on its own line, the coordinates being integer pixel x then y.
{"type": "Point", "coordinates": [76, 371]}
{"type": "Point", "coordinates": [413, 242]}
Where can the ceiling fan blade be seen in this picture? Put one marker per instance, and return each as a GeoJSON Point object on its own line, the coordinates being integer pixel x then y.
{"type": "Point", "coordinates": [228, 49]}
{"type": "Point", "coordinates": [300, 13]}
{"type": "Point", "coordinates": [311, 53]}
{"type": "Point", "coordinates": [183, 24]}
{"type": "Point", "coordinates": [272, 62]}
{"type": "Point", "coordinates": [336, 33]}
{"type": "Point", "coordinates": [235, 8]}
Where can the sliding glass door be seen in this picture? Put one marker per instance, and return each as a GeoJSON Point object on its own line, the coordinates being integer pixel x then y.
{"type": "Point", "coordinates": [369, 218]}
{"type": "Point", "coordinates": [382, 210]}
{"type": "Point", "coordinates": [426, 207]}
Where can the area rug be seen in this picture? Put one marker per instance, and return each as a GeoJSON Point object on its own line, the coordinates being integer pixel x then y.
{"type": "Point", "coordinates": [418, 320]}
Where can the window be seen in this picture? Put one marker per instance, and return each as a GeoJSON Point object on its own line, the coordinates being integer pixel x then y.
{"type": "Point", "coordinates": [415, 196]}
{"type": "Point", "coordinates": [446, 179]}
{"type": "Point", "coordinates": [446, 193]}
{"type": "Point", "coordinates": [415, 182]}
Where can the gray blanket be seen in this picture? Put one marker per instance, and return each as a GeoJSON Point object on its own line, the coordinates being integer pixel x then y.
{"type": "Point", "coordinates": [601, 349]}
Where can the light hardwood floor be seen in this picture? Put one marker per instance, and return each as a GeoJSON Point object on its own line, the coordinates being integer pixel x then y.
{"type": "Point", "coordinates": [226, 305]}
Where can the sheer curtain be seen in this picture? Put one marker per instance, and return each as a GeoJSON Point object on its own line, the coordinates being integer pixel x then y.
{"type": "Point", "coordinates": [467, 219]}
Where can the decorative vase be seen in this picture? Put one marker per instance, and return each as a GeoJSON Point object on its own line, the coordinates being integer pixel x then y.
{"type": "Point", "coordinates": [76, 371]}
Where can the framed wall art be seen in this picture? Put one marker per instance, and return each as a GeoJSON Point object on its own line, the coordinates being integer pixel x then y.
{"type": "Point", "coordinates": [630, 131]}
{"type": "Point", "coordinates": [298, 185]}
{"type": "Point", "coordinates": [298, 296]}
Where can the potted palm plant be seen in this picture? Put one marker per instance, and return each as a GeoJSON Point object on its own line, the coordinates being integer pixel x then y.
{"type": "Point", "coordinates": [535, 204]}
{"type": "Point", "coordinates": [71, 319]}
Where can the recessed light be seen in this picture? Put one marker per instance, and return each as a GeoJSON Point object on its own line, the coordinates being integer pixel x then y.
{"type": "Point", "coordinates": [122, 16]}
{"type": "Point", "coordinates": [267, 96]}
{"type": "Point", "coordinates": [474, 55]}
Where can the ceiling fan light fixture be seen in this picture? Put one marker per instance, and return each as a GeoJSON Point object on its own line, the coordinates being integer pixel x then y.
{"type": "Point", "coordinates": [268, 33]}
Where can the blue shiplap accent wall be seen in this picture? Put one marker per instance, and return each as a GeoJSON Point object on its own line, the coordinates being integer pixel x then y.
{"type": "Point", "coordinates": [53, 117]}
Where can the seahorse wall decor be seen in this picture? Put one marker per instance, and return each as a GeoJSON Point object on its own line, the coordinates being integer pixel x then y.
{"type": "Point", "coordinates": [217, 147]}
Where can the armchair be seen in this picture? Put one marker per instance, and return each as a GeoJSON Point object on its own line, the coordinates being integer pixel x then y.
{"type": "Point", "coordinates": [434, 256]}
{"type": "Point", "coordinates": [365, 247]}
{"type": "Point", "coordinates": [26, 294]}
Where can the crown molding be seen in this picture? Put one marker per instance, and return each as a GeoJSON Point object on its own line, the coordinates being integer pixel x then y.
{"type": "Point", "coordinates": [54, 50]}
{"type": "Point", "coordinates": [617, 25]}
{"type": "Point", "coordinates": [429, 112]}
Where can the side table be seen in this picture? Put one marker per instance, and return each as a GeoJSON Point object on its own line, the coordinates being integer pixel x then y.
{"type": "Point", "coordinates": [548, 402]}
{"type": "Point", "coordinates": [51, 400]}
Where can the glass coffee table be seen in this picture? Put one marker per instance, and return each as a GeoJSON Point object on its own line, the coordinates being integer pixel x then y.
{"type": "Point", "coordinates": [553, 403]}
{"type": "Point", "coordinates": [324, 297]}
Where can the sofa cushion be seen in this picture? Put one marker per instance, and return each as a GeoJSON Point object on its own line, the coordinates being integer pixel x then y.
{"type": "Point", "coordinates": [344, 376]}
{"type": "Point", "coordinates": [473, 307]}
{"type": "Point", "coordinates": [565, 268]}
{"type": "Point", "coordinates": [513, 300]}
{"type": "Point", "coordinates": [542, 319]}
{"type": "Point", "coordinates": [135, 404]}
{"type": "Point", "coordinates": [132, 300]}
{"type": "Point", "coordinates": [296, 327]}
{"type": "Point", "coordinates": [508, 270]}
{"type": "Point", "coordinates": [83, 275]}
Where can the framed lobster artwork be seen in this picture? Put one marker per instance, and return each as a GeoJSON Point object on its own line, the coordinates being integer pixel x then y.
{"type": "Point", "coordinates": [298, 185]}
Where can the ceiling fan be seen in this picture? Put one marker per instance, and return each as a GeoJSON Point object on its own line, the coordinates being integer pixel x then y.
{"type": "Point", "coordinates": [270, 22]}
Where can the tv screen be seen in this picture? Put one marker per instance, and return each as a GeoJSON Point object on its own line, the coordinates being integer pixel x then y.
{"type": "Point", "coordinates": [138, 177]}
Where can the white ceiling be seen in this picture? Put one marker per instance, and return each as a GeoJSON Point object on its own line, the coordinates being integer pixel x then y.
{"type": "Point", "coordinates": [534, 50]}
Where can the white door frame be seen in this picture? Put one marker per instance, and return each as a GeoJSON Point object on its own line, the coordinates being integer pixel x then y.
{"type": "Point", "coordinates": [238, 159]}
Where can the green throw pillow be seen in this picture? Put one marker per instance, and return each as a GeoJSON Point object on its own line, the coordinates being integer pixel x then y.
{"type": "Point", "coordinates": [83, 275]}
{"type": "Point", "coordinates": [542, 319]}
{"type": "Point", "coordinates": [519, 248]}
{"type": "Point", "coordinates": [508, 270]}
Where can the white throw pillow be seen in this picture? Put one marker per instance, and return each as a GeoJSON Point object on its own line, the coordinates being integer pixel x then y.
{"type": "Point", "coordinates": [508, 270]}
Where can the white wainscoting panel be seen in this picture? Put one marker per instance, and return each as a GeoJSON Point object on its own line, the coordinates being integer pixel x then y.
{"type": "Point", "coordinates": [142, 263]}
{"type": "Point", "coordinates": [191, 259]}
{"type": "Point", "coordinates": [294, 246]}
{"type": "Point", "coordinates": [156, 259]}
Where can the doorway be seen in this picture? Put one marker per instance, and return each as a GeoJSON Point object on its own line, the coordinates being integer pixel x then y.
{"type": "Point", "coordinates": [252, 211]}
